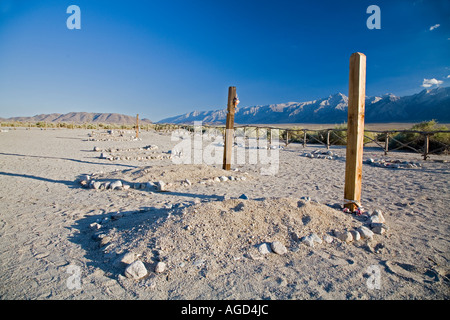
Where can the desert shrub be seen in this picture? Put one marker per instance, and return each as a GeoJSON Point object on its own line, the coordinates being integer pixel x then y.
{"type": "Point", "coordinates": [417, 140]}
{"type": "Point", "coordinates": [295, 135]}
{"type": "Point", "coordinates": [338, 136]}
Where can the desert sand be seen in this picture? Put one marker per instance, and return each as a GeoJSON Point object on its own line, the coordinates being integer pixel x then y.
{"type": "Point", "coordinates": [198, 237]}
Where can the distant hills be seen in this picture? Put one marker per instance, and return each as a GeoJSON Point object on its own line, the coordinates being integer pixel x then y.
{"type": "Point", "coordinates": [426, 105]}
{"type": "Point", "coordinates": [81, 117]}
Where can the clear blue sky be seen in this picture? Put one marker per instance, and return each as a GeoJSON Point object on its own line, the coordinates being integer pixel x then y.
{"type": "Point", "coordinates": [164, 58]}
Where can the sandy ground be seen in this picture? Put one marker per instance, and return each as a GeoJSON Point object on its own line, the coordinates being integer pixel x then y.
{"type": "Point", "coordinates": [61, 241]}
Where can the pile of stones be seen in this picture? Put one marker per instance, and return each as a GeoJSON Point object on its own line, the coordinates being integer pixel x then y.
{"type": "Point", "coordinates": [329, 155]}
{"type": "Point", "coordinates": [89, 182]}
{"type": "Point", "coordinates": [375, 224]}
{"type": "Point", "coordinates": [394, 164]}
{"type": "Point", "coordinates": [109, 157]}
{"type": "Point", "coordinates": [149, 147]}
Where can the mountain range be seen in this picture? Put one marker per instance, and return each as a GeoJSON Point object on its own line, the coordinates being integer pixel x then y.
{"type": "Point", "coordinates": [80, 117]}
{"type": "Point", "coordinates": [426, 105]}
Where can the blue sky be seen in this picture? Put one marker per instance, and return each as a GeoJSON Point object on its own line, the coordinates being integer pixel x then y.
{"type": "Point", "coordinates": [164, 58]}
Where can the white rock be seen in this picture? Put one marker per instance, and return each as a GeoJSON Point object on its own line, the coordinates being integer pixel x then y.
{"type": "Point", "coordinates": [96, 185]}
{"type": "Point", "coordinates": [160, 267]}
{"type": "Point", "coordinates": [278, 247]}
{"type": "Point", "coordinates": [344, 236]}
{"type": "Point", "coordinates": [355, 234]}
{"type": "Point", "coordinates": [160, 186]}
{"type": "Point", "coordinates": [264, 248]}
{"type": "Point", "coordinates": [223, 178]}
{"type": "Point", "coordinates": [128, 258]}
{"type": "Point", "coordinates": [378, 229]}
{"type": "Point", "coordinates": [115, 185]}
{"type": "Point", "coordinates": [377, 217]}
{"type": "Point", "coordinates": [311, 239]}
{"type": "Point", "coordinates": [150, 186]}
{"type": "Point", "coordinates": [365, 233]}
{"type": "Point", "coordinates": [315, 238]}
{"type": "Point", "coordinates": [216, 179]}
{"type": "Point", "coordinates": [136, 270]}
{"type": "Point", "coordinates": [95, 226]}
{"type": "Point", "coordinates": [327, 238]}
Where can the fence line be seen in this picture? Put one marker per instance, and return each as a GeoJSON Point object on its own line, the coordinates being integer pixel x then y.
{"type": "Point", "coordinates": [387, 140]}
{"type": "Point", "coordinates": [420, 142]}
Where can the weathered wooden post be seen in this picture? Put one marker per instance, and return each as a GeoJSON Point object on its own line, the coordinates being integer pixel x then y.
{"type": "Point", "coordinates": [386, 144]}
{"type": "Point", "coordinates": [328, 138]}
{"type": "Point", "coordinates": [137, 126]}
{"type": "Point", "coordinates": [355, 131]}
{"type": "Point", "coordinates": [304, 138]}
{"type": "Point", "coordinates": [229, 132]}
{"type": "Point", "coordinates": [426, 146]}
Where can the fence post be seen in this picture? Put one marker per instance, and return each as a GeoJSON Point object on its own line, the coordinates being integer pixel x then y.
{"type": "Point", "coordinates": [355, 131]}
{"type": "Point", "coordinates": [386, 144]}
{"type": "Point", "coordinates": [137, 126]}
{"type": "Point", "coordinates": [426, 147]}
{"type": "Point", "coordinates": [304, 138]}
{"type": "Point", "coordinates": [229, 132]}
{"type": "Point", "coordinates": [328, 139]}
{"type": "Point", "coordinates": [287, 137]}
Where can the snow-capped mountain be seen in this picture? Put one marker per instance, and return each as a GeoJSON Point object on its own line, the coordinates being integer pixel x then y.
{"type": "Point", "coordinates": [426, 105]}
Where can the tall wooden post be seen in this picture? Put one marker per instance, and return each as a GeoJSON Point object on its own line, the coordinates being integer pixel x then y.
{"type": "Point", "coordinates": [229, 132]}
{"type": "Point", "coordinates": [355, 131]}
{"type": "Point", "coordinates": [386, 144]}
{"type": "Point", "coordinates": [426, 146]}
{"type": "Point", "coordinates": [304, 138]}
{"type": "Point", "coordinates": [328, 139]}
{"type": "Point", "coordinates": [137, 126]}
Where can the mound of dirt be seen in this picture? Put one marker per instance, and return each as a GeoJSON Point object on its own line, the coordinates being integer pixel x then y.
{"type": "Point", "coordinates": [215, 234]}
{"type": "Point", "coordinates": [173, 176]}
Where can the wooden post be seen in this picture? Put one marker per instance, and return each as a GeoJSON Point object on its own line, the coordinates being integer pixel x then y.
{"type": "Point", "coordinates": [426, 147]}
{"type": "Point", "coordinates": [137, 126]}
{"type": "Point", "coordinates": [231, 106]}
{"type": "Point", "coordinates": [386, 144]}
{"type": "Point", "coordinates": [328, 139]}
{"type": "Point", "coordinates": [355, 131]}
{"type": "Point", "coordinates": [304, 138]}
